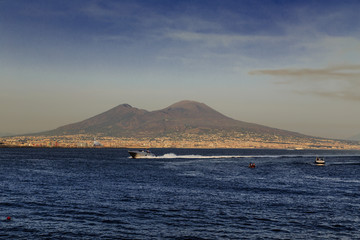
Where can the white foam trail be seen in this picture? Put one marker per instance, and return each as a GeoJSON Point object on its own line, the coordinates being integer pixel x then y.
{"type": "Point", "coordinates": [195, 156]}
{"type": "Point", "coordinates": [173, 155]}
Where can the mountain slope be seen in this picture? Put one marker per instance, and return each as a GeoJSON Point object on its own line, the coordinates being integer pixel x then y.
{"type": "Point", "coordinates": [121, 117]}
{"type": "Point", "coordinates": [184, 117]}
{"type": "Point", "coordinates": [355, 137]}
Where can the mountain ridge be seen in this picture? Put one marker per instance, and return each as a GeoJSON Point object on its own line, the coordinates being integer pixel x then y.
{"type": "Point", "coordinates": [184, 116]}
{"type": "Point", "coordinates": [355, 137]}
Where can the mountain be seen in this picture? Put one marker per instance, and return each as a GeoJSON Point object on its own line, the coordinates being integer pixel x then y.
{"type": "Point", "coordinates": [355, 137]}
{"type": "Point", "coordinates": [185, 117]}
{"type": "Point", "coordinates": [4, 134]}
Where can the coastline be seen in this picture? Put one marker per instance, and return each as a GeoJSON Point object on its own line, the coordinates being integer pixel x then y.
{"type": "Point", "coordinates": [194, 141]}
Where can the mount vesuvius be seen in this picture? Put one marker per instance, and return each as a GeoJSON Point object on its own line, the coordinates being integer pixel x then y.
{"type": "Point", "coordinates": [182, 117]}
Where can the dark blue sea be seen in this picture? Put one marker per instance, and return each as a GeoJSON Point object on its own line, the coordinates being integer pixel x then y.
{"type": "Point", "coordinates": [101, 193]}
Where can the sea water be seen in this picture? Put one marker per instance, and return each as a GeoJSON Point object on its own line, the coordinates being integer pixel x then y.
{"type": "Point", "coordinates": [100, 193]}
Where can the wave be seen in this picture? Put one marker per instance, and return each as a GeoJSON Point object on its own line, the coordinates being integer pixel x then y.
{"type": "Point", "coordinates": [344, 163]}
{"type": "Point", "coordinates": [173, 155]}
{"type": "Point", "coordinates": [197, 156]}
{"type": "Point", "coordinates": [333, 179]}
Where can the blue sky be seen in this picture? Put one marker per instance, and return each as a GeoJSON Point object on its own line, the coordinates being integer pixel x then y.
{"type": "Point", "coordinates": [293, 65]}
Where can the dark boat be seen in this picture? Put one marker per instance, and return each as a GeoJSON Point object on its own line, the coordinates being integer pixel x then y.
{"type": "Point", "coordinates": [252, 165]}
{"type": "Point", "coordinates": [141, 154]}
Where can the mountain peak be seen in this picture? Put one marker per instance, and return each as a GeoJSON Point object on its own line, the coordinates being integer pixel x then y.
{"type": "Point", "coordinates": [189, 105]}
{"type": "Point", "coordinates": [185, 103]}
{"type": "Point", "coordinates": [123, 106]}
{"type": "Point", "coordinates": [181, 117]}
{"type": "Point", "coordinates": [126, 105]}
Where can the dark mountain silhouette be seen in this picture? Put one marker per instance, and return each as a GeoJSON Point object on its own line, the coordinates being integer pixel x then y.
{"type": "Point", "coordinates": [184, 117]}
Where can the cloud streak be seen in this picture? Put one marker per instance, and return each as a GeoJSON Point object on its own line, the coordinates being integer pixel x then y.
{"type": "Point", "coordinates": [340, 71]}
{"type": "Point", "coordinates": [336, 82]}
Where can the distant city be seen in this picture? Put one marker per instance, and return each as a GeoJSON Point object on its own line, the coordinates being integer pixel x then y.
{"type": "Point", "coordinates": [179, 141]}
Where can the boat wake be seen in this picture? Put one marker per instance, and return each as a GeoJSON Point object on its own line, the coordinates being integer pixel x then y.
{"type": "Point", "coordinates": [195, 156]}
{"type": "Point", "coordinates": [173, 155]}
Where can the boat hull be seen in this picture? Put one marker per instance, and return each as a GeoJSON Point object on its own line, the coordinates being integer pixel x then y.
{"type": "Point", "coordinates": [319, 161]}
{"type": "Point", "coordinates": [141, 154]}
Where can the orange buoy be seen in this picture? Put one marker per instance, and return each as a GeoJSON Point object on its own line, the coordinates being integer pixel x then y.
{"type": "Point", "coordinates": [8, 218]}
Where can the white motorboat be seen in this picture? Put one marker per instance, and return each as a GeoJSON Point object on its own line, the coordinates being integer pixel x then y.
{"type": "Point", "coordinates": [319, 161]}
{"type": "Point", "coordinates": [141, 154]}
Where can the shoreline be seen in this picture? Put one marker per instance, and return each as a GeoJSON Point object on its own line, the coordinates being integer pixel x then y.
{"type": "Point", "coordinates": [140, 147]}
{"type": "Point", "coordinates": [178, 141]}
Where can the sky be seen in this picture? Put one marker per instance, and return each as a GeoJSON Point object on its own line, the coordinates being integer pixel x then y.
{"type": "Point", "coordinates": [293, 65]}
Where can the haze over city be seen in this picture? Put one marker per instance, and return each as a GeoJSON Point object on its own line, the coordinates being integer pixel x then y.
{"type": "Point", "coordinates": [293, 65]}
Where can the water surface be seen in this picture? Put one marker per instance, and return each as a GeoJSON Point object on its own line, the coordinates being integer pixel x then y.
{"type": "Point", "coordinates": [180, 194]}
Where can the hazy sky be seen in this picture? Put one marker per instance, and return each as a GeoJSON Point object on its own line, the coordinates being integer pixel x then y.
{"type": "Point", "coordinates": [293, 65]}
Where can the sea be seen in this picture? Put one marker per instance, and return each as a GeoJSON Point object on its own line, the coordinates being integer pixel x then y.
{"type": "Point", "coordinates": [101, 193]}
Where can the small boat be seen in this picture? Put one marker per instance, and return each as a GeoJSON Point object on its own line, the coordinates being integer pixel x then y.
{"type": "Point", "coordinates": [252, 165]}
{"type": "Point", "coordinates": [319, 161]}
{"type": "Point", "coordinates": [141, 154]}
{"type": "Point", "coordinates": [96, 143]}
